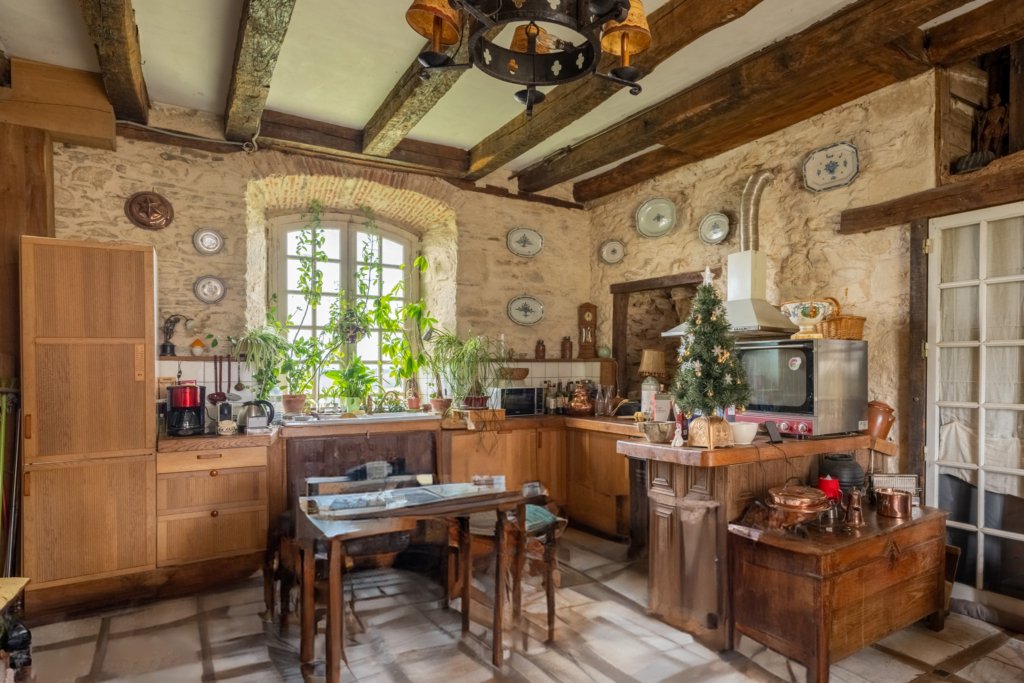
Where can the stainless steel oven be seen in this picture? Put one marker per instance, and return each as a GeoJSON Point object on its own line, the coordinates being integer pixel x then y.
{"type": "Point", "coordinates": [808, 387]}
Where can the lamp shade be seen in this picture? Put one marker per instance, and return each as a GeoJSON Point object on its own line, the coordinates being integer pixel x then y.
{"type": "Point", "coordinates": [632, 34]}
{"type": "Point", "coordinates": [652, 362]}
{"type": "Point", "coordinates": [422, 14]}
{"type": "Point", "coordinates": [521, 39]}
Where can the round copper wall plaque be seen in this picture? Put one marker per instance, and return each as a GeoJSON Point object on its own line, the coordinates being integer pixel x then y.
{"type": "Point", "coordinates": [149, 211]}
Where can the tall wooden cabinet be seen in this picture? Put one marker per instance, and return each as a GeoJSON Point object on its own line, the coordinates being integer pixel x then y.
{"type": "Point", "coordinates": [598, 482]}
{"type": "Point", "coordinates": [89, 432]}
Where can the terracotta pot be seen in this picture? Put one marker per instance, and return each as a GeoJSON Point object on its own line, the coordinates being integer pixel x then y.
{"type": "Point", "coordinates": [881, 417]}
{"type": "Point", "coordinates": [412, 402]}
{"type": "Point", "coordinates": [294, 403]}
{"type": "Point", "coordinates": [474, 402]}
{"type": "Point", "coordinates": [440, 405]}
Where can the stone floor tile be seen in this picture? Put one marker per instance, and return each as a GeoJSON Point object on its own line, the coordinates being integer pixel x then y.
{"type": "Point", "coordinates": [964, 631]}
{"type": "Point", "coordinates": [62, 631]}
{"type": "Point", "coordinates": [62, 664]}
{"type": "Point", "coordinates": [446, 665]}
{"type": "Point", "coordinates": [1011, 652]}
{"type": "Point", "coordinates": [917, 642]}
{"type": "Point", "coordinates": [182, 673]}
{"type": "Point", "coordinates": [155, 614]}
{"type": "Point", "coordinates": [988, 670]}
{"type": "Point", "coordinates": [873, 666]}
{"type": "Point", "coordinates": [155, 650]}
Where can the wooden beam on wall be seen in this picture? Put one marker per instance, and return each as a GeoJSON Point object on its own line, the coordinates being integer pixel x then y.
{"type": "Point", "coordinates": [982, 30]}
{"type": "Point", "coordinates": [294, 132]}
{"type": "Point", "coordinates": [673, 26]}
{"type": "Point", "coordinates": [5, 68]}
{"type": "Point", "coordinates": [111, 25]}
{"type": "Point", "coordinates": [978, 190]}
{"type": "Point", "coordinates": [261, 33]}
{"type": "Point", "coordinates": [837, 43]}
{"type": "Point", "coordinates": [71, 104]}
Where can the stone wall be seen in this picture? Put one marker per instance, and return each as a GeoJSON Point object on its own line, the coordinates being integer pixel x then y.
{"type": "Point", "coordinates": [868, 273]}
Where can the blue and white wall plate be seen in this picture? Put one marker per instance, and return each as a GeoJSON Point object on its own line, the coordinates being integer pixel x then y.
{"type": "Point", "coordinates": [830, 167]}
{"type": "Point", "coordinates": [525, 242]}
{"type": "Point", "coordinates": [525, 310]}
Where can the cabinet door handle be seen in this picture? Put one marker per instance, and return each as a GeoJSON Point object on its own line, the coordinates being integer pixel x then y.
{"type": "Point", "coordinates": [26, 485]}
{"type": "Point", "coordinates": [214, 513]}
{"type": "Point", "coordinates": [214, 473]}
{"type": "Point", "coordinates": [209, 456]}
{"type": "Point", "coordinates": [28, 426]}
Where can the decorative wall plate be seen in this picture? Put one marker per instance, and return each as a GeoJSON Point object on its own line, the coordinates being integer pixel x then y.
{"type": "Point", "coordinates": [207, 241]}
{"type": "Point", "coordinates": [829, 167]}
{"type": "Point", "coordinates": [209, 289]}
{"type": "Point", "coordinates": [713, 228]}
{"type": "Point", "coordinates": [655, 217]}
{"type": "Point", "coordinates": [149, 210]}
{"type": "Point", "coordinates": [525, 310]}
{"type": "Point", "coordinates": [525, 242]}
{"type": "Point", "coordinates": [611, 251]}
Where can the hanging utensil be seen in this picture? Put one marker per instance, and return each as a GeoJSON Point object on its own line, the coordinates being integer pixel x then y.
{"type": "Point", "coordinates": [238, 368]}
{"type": "Point", "coordinates": [231, 396]}
{"type": "Point", "coordinates": [217, 396]}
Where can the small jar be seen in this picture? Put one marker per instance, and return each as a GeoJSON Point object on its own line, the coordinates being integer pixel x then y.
{"type": "Point", "coordinates": [539, 352]}
{"type": "Point", "coordinates": [566, 348]}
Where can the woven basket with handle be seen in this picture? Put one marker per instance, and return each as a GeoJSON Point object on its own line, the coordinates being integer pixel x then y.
{"type": "Point", "coordinates": [839, 326]}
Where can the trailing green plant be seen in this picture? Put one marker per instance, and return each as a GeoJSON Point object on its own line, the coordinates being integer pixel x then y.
{"type": "Point", "coordinates": [354, 379]}
{"type": "Point", "coordinates": [466, 366]}
{"type": "Point", "coordinates": [264, 348]}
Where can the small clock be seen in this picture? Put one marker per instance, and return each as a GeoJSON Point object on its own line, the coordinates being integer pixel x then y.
{"type": "Point", "coordinates": [611, 251]}
{"type": "Point", "coordinates": [525, 310]}
{"type": "Point", "coordinates": [587, 314]}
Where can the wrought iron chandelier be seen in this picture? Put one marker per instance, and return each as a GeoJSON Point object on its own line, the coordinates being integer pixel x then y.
{"type": "Point", "coordinates": [535, 57]}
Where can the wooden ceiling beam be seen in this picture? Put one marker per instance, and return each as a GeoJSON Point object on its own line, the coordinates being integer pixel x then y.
{"type": "Point", "coordinates": [295, 132]}
{"type": "Point", "coordinates": [112, 28]}
{"type": "Point", "coordinates": [982, 30]}
{"type": "Point", "coordinates": [840, 42]}
{"type": "Point", "coordinates": [261, 33]}
{"type": "Point", "coordinates": [673, 26]}
{"type": "Point", "coordinates": [5, 68]}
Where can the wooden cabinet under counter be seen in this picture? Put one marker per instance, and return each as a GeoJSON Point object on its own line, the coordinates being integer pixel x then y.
{"type": "Point", "coordinates": [597, 481]}
{"type": "Point", "coordinates": [210, 504]}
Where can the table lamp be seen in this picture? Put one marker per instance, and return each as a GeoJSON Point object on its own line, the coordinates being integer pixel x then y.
{"type": "Point", "coordinates": [652, 368]}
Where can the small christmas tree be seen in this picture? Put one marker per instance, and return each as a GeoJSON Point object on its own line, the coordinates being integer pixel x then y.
{"type": "Point", "coordinates": [710, 376]}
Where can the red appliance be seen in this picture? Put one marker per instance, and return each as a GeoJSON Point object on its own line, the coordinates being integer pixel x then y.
{"type": "Point", "coordinates": [184, 396]}
{"type": "Point", "coordinates": [186, 414]}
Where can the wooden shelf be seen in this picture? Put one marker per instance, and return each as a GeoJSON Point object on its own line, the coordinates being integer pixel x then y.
{"type": "Point", "coordinates": [516, 361]}
{"type": "Point", "coordinates": [201, 359]}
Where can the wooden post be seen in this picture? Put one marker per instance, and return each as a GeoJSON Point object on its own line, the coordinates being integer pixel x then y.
{"type": "Point", "coordinates": [500, 567]}
{"type": "Point", "coordinates": [1015, 108]}
{"type": "Point", "coordinates": [335, 610]}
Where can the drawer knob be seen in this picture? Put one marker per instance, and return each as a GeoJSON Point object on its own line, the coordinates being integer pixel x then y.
{"type": "Point", "coordinates": [214, 513]}
{"type": "Point", "coordinates": [214, 473]}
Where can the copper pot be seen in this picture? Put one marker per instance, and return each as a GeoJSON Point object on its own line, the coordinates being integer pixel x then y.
{"type": "Point", "coordinates": [893, 502]}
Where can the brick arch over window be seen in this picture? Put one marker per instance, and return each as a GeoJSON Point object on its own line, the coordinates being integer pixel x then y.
{"type": "Point", "coordinates": [421, 205]}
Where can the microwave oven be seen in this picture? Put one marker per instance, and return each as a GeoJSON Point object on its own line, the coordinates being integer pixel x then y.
{"type": "Point", "coordinates": [808, 387]}
{"type": "Point", "coordinates": [518, 400]}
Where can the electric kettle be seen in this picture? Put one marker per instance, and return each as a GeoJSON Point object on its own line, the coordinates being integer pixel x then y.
{"type": "Point", "coordinates": [256, 414]}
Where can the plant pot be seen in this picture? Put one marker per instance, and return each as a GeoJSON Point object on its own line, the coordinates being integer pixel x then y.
{"type": "Point", "coordinates": [440, 405]}
{"type": "Point", "coordinates": [294, 403]}
{"type": "Point", "coordinates": [412, 403]}
{"type": "Point", "coordinates": [349, 404]}
{"type": "Point", "coordinates": [475, 402]}
{"type": "Point", "coordinates": [709, 432]}
{"type": "Point", "coordinates": [881, 417]}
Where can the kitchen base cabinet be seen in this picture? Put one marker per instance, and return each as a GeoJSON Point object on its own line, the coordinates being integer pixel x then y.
{"type": "Point", "coordinates": [511, 453]}
{"type": "Point", "coordinates": [597, 482]}
{"type": "Point", "coordinates": [551, 463]}
{"type": "Point", "coordinates": [202, 535]}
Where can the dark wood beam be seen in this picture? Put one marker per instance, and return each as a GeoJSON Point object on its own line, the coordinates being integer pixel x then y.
{"type": "Point", "coordinates": [496, 191]}
{"type": "Point", "coordinates": [294, 132]}
{"type": "Point", "coordinates": [837, 43]}
{"type": "Point", "coordinates": [978, 190]}
{"type": "Point", "coordinates": [260, 36]}
{"type": "Point", "coordinates": [673, 26]}
{"type": "Point", "coordinates": [412, 98]}
{"type": "Point", "coordinates": [112, 28]}
{"type": "Point", "coordinates": [982, 30]}
{"type": "Point", "coordinates": [5, 68]}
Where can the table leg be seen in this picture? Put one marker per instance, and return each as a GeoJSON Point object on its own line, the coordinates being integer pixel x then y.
{"type": "Point", "coordinates": [500, 567]}
{"type": "Point", "coordinates": [517, 572]}
{"type": "Point", "coordinates": [466, 570]}
{"type": "Point", "coordinates": [308, 616]}
{"type": "Point", "coordinates": [335, 609]}
{"type": "Point", "coordinates": [550, 563]}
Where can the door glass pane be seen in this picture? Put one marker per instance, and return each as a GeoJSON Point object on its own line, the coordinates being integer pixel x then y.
{"type": "Point", "coordinates": [958, 435]}
{"type": "Point", "coordinates": [967, 541]}
{"type": "Point", "coordinates": [958, 375]}
{"type": "Point", "coordinates": [1006, 247]}
{"type": "Point", "coordinates": [959, 254]}
{"type": "Point", "coordinates": [958, 494]}
{"type": "Point", "coordinates": [1004, 381]}
{"type": "Point", "coordinates": [958, 311]}
{"type": "Point", "coordinates": [1004, 561]}
{"type": "Point", "coordinates": [1004, 430]}
{"type": "Point", "coordinates": [1005, 315]}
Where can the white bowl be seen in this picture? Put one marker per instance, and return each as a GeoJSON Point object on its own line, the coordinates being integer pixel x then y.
{"type": "Point", "coordinates": [807, 314]}
{"type": "Point", "coordinates": [744, 432]}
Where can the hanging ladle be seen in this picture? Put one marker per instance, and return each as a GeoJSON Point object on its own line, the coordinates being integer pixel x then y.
{"type": "Point", "coordinates": [217, 396]}
{"type": "Point", "coordinates": [231, 396]}
{"type": "Point", "coordinates": [238, 368]}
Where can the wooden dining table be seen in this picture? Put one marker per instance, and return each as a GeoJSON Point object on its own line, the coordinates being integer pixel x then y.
{"type": "Point", "coordinates": [339, 518]}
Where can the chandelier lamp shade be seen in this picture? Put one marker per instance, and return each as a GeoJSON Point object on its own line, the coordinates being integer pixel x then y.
{"type": "Point", "coordinates": [535, 56]}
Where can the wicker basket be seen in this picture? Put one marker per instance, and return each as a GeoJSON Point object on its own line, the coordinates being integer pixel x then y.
{"type": "Point", "coordinates": [513, 373]}
{"type": "Point", "coordinates": [839, 326]}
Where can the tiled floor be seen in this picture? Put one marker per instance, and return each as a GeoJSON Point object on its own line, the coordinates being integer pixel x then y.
{"type": "Point", "coordinates": [400, 633]}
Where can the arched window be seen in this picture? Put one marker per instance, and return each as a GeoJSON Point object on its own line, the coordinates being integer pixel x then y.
{"type": "Point", "coordinates": [352, 246]}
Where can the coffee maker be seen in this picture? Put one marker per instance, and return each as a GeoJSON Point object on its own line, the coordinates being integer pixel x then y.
{"type": "Point", "coordinates": [185, 413]}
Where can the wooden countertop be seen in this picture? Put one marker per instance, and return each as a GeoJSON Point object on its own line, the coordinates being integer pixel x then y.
{"type": "Point", "coordinates": [180, 444]}
{"type": "Point", "coordinates": [758, 451]}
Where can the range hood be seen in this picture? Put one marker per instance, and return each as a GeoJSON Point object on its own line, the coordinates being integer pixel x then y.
{"type": "Point", "coordinates": [750, 315]}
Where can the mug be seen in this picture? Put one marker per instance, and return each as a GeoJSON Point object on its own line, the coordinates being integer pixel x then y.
{"type": "Point", "coordinates": [830, 487]}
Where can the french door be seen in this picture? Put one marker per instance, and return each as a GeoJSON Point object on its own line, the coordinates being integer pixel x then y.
{"type": "Point", "coordinates": [974, 457]}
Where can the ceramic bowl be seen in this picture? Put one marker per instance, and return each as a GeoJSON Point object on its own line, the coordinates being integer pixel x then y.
{"type": "Point", "coordinates": [807, 314]}
{"type": "Point", "coordinates": [657, 432]}
{"type": "Point", "coordinates": [744, 432]}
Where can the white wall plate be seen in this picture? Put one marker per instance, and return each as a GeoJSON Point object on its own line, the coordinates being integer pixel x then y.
{"type": "Point", "coordinates": [611, 251]}
{"type": "Point", "coordinates": [713, 228]}
{"type": "Point", "coordinates": [525, 242]}
{"type": "Point", "coordinates": [525, 310]}
{"type": "Point", "coordinates": [830, 167]}
{"type": "Point", "coordinates": [655, 217]}
{"type": "Point", "coordinates": [207, 241]}
{"type": "Point", "coordinates": [209, 289]}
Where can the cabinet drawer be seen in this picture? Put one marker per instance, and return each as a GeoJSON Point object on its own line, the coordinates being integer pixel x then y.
{"type": "Point", "coordinates": [190, 491]}
{"type": "Point", "coordinates": [214, 533]}
{"type": "Point", "coordinates": [191, 461]}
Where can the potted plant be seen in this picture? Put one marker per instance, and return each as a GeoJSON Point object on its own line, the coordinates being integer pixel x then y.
{"type": "Point", "coordinates": [264, 349]}
{"type": "Point", "coordinates": [466, 366]}
{"type": "Point", "coordinates": [351, 384]}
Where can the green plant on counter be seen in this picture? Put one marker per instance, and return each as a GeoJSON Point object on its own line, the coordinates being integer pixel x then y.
{"type": "Point", "coordinates": [354, 380]}
{"type": "Point", "coordinates": [466, 366]}
{"type": "Point", "coordinates": [265, 349]}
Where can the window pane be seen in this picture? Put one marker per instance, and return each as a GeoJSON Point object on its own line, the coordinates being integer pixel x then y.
{"type": "Point", "coordinates": [332, 242]}
{"type": "Point", "coordinates": [364, 241]}
{"type": "Point", "coordinates": [368, 348]}
{"type": "Point", "coordinates": [958, 312]}
{"type": "Point", "coordinates": [332, 276]}
{"type": "Point", "coordinates": [292, 242]}
{"type": "Point", "coordinates": [1006, 247]}
{"type": "Point", "coordinates": [1004, 370]}
{"type": "Point", "coordinates": [393, 277]}
{"type": "Point", "coordinates": [392, 253]}
{"type": "Point", "coordinates": [323, 311]}
{"type": "Point", "coordinates": [387, 381]}
{"type": "Point", "coordinates": [1004, 561]}
{"type": "Point", "coordinates": [1004, 430]}
{"type": "Point", "coordinates": [371, 276]}
{"type": "Point", "coordinates": [959, 254]}
{"type": "Point", "coordinates": [1005, 316]}
{"type": "Point", "coordinates": [958, 375]}
{"type": "Point", "coordinates": [958, 435]}
{"type": "Point", "coordinates": [303, 333]}
{"type": "Point", "coordinates": [292, 273]}
{"type": "Point", "coordinates": [296, 306]}
{"type": "Point", "coordinates": [958, 495]}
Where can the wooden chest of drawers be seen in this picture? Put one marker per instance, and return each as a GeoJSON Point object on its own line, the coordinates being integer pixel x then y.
{"type": "Point", "coordinates": [822, 598]}
{"type": "Point", "coordinates": [210, 504]}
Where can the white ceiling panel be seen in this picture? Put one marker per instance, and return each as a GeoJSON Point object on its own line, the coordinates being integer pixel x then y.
{"type": "Point", "coordinates": [50, 31]}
